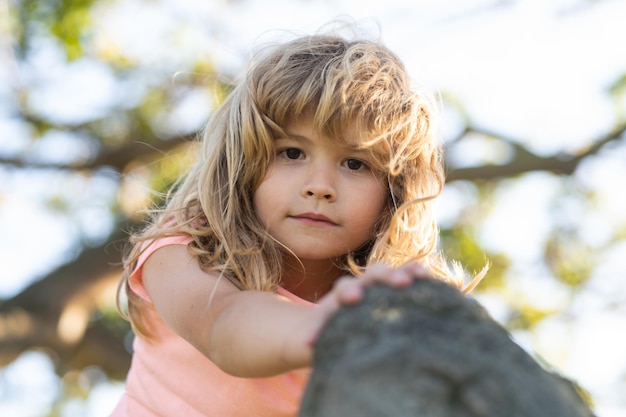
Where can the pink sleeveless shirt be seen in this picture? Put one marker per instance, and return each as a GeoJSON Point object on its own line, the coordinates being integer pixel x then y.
{"type": "Point", "coordinates": [169, 378]}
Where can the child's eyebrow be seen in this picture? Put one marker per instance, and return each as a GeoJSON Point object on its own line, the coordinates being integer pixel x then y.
{"type": "Point", "coordinates": [351, 147]}
{"type": "Point", "coordinates": [298, 138]}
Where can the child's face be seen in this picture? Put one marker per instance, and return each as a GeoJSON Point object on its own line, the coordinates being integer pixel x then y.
{"type": "Point", "coordinates": [319, 197]}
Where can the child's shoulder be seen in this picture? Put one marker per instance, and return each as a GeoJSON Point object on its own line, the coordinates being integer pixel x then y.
{"type": "Point", "coordinates": [149, 247]}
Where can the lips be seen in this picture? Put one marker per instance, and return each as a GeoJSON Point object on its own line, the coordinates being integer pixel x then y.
{"type": "Point", "coordinates": [314, 219]}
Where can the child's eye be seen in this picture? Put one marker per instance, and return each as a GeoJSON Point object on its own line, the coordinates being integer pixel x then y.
{"type": "Point", "coordinates": [291, 153]}
{"type": "Point", "coordinates": [355, 164]}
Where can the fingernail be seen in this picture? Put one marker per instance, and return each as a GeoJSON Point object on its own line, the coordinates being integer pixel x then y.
{"type": "Point", "coordinates": [400, 277]}
{"type": "Point", "coordinates": [419, 269]}
{"type": "Point", "coordinates": [352, 293]}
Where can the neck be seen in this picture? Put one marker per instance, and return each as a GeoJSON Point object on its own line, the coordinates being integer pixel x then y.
{"type": "Point", "coordinates": [310, 280]}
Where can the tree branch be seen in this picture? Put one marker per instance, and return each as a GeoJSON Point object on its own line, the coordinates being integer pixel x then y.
{"type": "Point", "coordinates": [32, 317]}
{"type": "Point", "coordinates": [526, 161]}
{"type": "Point", "coordinates": [116, 158]}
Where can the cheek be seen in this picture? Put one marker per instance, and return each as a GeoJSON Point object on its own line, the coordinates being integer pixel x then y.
{"type": "Point", "coordinates": [376, 205]}
{"type": "Point", "coordinates": [383, 197]}
{"type": "Point", "coordinates": [264, 196]}
{"type": "Point", "coordinates": [259, 202]}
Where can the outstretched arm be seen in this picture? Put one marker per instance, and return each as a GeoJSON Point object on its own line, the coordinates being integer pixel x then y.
{"type": "Point", "coordinates": [248, 333]}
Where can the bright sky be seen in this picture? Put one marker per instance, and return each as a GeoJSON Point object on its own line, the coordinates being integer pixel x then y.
{"type": "Point", "coordinates": [537, 70]}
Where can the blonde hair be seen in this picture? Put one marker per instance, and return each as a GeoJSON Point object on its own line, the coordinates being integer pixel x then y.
{"type": "Point", "coordinates": [343, 83]}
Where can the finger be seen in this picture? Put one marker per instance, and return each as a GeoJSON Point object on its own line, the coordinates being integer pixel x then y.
{"type": "Point", "coordinates": [379, 273]}
{"type": "Point", "coordinates": [401, 277]}
{"type": "Point", "coordinates": [376, 272]}
{"type": "Point", "coordinates": [348, 290]}
{"type": "Point", "coordinates": [409, 272]}
{"type": "Point", "coordinates": [418, 270]}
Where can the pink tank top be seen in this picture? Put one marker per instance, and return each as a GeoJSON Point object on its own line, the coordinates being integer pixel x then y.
{"type": "Point", "coordinates": [169, 378]}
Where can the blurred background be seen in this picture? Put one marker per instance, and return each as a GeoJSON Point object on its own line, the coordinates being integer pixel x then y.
{"type": "Point", "coordinates": [100, 98]}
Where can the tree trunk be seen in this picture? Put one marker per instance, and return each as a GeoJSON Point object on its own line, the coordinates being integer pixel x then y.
{"type": "Point", "coordinates": [429, 351]}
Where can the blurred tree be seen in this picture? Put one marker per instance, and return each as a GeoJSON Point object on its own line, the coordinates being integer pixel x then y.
{"type": "Point", "coordinates": [139, 140]}
{"type": "Point", "coordinates": [69, 311]}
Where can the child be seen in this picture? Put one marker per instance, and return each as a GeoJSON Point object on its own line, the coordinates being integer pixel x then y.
{"type": "Point", "coordinates": [319, 167]}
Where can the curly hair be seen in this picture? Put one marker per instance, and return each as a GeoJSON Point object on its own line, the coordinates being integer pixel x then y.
{"type": "Point", "coordinates": [341, 82]}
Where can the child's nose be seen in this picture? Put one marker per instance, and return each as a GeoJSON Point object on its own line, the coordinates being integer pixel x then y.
{"type": "Point", "coordinates": [320, 185]}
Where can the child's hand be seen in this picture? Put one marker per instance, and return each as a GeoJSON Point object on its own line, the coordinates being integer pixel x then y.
{"type": "Point", "coordinates": [349, 290]}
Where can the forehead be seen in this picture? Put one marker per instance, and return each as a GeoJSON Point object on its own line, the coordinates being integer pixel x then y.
{"type": "Point", "coordinates": [304, 128]}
